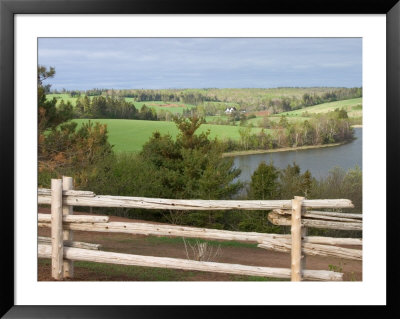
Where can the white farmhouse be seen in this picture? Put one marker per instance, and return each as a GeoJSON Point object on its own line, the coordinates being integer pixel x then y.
{"type": "Point", "coordinates": [230, 110]}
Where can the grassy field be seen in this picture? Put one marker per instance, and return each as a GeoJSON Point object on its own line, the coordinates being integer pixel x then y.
{"type": "Point", "coordinates": [61, 96]}
{"type": "Point", "coordinates": [130, 135]}
{"type": "Point", "coordinates": [173, 107]}
{"type": "Point", "coordinates": [352, 106]}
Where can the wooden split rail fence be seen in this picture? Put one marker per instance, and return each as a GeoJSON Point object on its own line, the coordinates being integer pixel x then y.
{"type": "Point", "coordinates": [63, 250]}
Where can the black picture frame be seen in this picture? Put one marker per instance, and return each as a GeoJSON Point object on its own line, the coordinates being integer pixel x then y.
{"type": "Point", "coordinates": [9, 8]}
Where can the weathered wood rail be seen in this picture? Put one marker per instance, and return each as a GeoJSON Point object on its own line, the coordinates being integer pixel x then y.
{"type": "Point", "coordinates": [284, 218]}
{"type": "Point", "coordinates": [70, 253]}
{"type": "Point", "coordinates": [75, 198]}
{"type": "Point", "coordinates": [194, 232]}
{"type": "Point", "coordinates": [69, 243]}
{"type": "Point", "coordinates": [63, 249]}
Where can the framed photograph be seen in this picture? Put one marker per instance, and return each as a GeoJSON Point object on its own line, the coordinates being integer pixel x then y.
{"type": "Point", "coordinates": [217, 64]}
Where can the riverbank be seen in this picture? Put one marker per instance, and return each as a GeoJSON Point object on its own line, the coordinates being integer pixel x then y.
{"type": "Point", "coordinates": [283, 149]}
{"type": "Point", "coordinates": [357, 126]}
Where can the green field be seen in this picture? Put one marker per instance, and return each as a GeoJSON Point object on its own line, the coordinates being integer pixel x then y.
{"type": "Point", "coordinates": [352, 106]}
{"type": "Point", "coordinates": [66, 97]}
{"type": "Point", "coordinates": [130, 135]}
{"type": "Point", "coordinates": [214, 118]}
{"type": "Point", "coordinates": [291, 119]}
{"type": "Point", "coordinates": [173, 107]}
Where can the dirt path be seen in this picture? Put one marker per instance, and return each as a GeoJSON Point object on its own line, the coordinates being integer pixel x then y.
{"type": "Point", "coordinates": [141, 245]}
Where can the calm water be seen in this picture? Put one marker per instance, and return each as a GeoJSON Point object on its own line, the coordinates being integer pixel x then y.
{"type": "Point", "coordinates": [317, 161]}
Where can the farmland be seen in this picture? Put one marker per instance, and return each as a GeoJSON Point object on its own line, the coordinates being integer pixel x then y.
{"type": "Point", "coordinates": [62, 97]}
{"type": "Point", "coordinates": [130, 135]}
{"type": "Point", "coordinates": [131, 127]}
{"type": "Point", "coordinates": [210, 102]}
{"type": "Point", "coordinates": [352, 106]}
{"type": "Point", "coordinates": [173, 107]}
{"type": "Point", "coordinates": [249, 96]}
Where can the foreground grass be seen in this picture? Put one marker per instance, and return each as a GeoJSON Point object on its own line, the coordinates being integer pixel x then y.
{"type": "Point", "coordinates": [110, 272]}
{"type": "Point", "coordinates": [131, 135]}
{"type": "Point", "coordinates": [136, 273]}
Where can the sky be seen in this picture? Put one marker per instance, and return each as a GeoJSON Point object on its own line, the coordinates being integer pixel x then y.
{"type": "Point", "coordinates": [165, 63]}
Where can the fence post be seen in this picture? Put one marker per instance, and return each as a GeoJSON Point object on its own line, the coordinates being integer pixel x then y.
{"type": "Point", "coordinates": [303, 255]}
{"type": "Point", "coordinates": [68, 234]}
{"type": "Point", "coordinates": [56, 230]}
{"type": "Point", "coordinates": [296, 263]}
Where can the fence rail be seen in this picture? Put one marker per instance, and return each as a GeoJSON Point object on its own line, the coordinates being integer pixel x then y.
{"type": "Point", "coordinates": [193, 232]}
{"type": "Point", "coordinates": [69, 243]}
{"type": "Point", "coordinates": [44, 197]}
{"type": "Point", "coordinates": [314, 220]}
{"type": "Point", "coordinates": [44, 251]}
{"type": "Point", "coordinates": [63, 250]}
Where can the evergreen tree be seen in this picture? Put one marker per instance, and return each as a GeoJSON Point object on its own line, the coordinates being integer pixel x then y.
{"type": "Point", "coordinates": [306, 183]}
{"type": "Point", "coordinates": [264, 182]}
{"type": "Point", "coordinates": [192, 166]}
{"type": "Point", "coordinates": [49, 116]}
{"type": "Point", "coordinates": [64, 149]}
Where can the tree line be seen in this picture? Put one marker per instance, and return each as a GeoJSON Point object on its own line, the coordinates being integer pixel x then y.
{"type": "Point", "coordinates": [245, 97]}
{"type": "Point", "coordinates": [332, 127]}
{"type": "Point", "coordinates": [272, 100]}
{"type": "Point", "coordinates": [109, 107]}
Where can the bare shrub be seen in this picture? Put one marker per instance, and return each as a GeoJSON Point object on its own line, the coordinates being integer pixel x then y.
{"type": "Point", "coordinates": [201, 251]}
{"type": "Point", "coordinates": [175, 217]}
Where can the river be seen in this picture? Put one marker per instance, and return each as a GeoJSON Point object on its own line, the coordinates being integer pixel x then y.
{"type": "Point", "coordinates": [318, 161]}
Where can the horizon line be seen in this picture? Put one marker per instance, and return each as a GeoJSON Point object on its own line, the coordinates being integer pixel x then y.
{"type": "Point", "coordinates": [217, 88]}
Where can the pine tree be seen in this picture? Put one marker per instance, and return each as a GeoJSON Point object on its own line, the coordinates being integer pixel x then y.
{"type": "Point", "coordinates": [264, 182]}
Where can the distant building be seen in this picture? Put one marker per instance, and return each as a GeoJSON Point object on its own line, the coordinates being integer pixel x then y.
{"type": "Point", "coordinates": [229, 110]}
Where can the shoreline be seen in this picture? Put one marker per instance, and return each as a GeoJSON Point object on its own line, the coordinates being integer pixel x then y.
{"type": "Point", "coordinates": [283, 149]}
